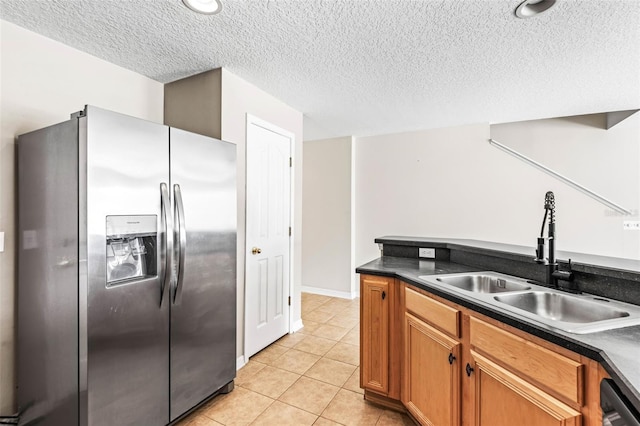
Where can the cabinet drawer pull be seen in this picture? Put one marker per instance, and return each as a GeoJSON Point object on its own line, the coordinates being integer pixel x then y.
{"type": "Point", "coordinates": [451, 358]}
{"type": "Point", "coordinates": [469, 370]}
{"type": "Point", "coordinates": [384, 295]}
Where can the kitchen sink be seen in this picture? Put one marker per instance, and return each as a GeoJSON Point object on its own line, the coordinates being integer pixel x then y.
{"type": "Point", "coordinates": [483, 283]}
{"type": "Point", "coordinates": [549, 307]}
{"type": "Point", "coordinates": [562, 307]}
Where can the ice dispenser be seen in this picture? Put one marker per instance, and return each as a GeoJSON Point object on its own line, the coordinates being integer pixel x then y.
{"type": "Point", "coordinates": [131, 248]}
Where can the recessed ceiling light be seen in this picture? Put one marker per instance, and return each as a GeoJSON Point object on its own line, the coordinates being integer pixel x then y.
{"type": "Point", "coordinates": [207, 7]}
{"type": "Point", "coordinates": [529, 8]}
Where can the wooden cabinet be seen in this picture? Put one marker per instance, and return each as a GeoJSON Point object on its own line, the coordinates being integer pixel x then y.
{"type": "Point", "coordinates": [515, 380]}
{"type": "Point", "coordinates": [450, 366]}
{"type": "Point", "coordinates": [502, 398]}
{"type": "Point", "coordinates": [380, 340]}
{"type": "Point", "coordinates": [441, 316]}
{"type": "Point", "coordinates": [549, 370]}
{"type": "Point", "coordinates": [431, 374]}
{"type": "Point", "coordinates": [374, 357]}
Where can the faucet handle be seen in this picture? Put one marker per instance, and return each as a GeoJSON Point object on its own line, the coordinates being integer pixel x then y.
{"type": "Point", "coordinates": [568, 277]}
{"type": "Point", "coordinates": [564, 275]}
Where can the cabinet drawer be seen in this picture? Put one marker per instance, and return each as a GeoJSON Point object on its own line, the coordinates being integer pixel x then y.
{"type": "Point", "coordinates": [557, 373]}
{"type": "Point", "coordinates": [440, 315]}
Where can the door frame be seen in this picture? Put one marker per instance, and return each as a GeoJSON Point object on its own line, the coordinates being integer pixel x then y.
{"type": "Point", "coordinates": [253, 120]}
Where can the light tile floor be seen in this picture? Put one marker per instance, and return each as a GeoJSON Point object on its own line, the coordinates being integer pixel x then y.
{"type": "Point", "coordinates": [307, 378]}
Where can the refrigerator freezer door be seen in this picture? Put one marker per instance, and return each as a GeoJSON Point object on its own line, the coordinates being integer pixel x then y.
{"type": "Point", "coordinates": [203, 303]}
{"type": "Point", "coordinates": [125, 325]}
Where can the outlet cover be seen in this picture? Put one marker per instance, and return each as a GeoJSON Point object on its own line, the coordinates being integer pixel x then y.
{"type": "Point", "coordinates": [429, 253]}
{"type": "Point", "coordinates": [631, 225]}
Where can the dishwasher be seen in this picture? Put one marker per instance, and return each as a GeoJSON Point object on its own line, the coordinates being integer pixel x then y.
{"type": "Point", "coordinates": [616, 409]}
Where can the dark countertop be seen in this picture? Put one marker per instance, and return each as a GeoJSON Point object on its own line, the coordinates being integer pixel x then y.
{"type": "Point", "coordinates": [617, 350]}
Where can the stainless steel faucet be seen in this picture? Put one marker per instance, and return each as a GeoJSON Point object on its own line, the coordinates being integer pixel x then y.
{"type": "Point", "coordinates": [553, 273]}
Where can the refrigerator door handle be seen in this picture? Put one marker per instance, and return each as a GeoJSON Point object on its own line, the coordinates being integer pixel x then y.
{"type": "Point", "coordinates": [166, 244]}
{"type": "Point", "coordinates": [181, 242]}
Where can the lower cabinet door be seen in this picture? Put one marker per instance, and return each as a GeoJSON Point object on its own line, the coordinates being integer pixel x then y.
{"type": "Point", "coordinates": [431, 390]}
{"type": "Point", "coordinates": [504, 399]}
{"type": "Point", "coordinates": [375, 295]}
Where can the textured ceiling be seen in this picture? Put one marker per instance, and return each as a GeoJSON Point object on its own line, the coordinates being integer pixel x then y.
{"type": "Point", "coordinates": [363, 67]}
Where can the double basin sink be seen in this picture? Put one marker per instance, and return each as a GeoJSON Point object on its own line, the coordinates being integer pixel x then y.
{"type": "Point", "coordinates": [578, 314]}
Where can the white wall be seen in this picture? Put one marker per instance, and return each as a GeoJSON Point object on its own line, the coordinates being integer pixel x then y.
{"type": "Point", "coordinates": [605, 161]}
{"type": "Point", "coordinates": [451, 183]}
{"type": "Point", "coordinates": [42, 82]}
{"type": "Point", "coordinates": [326, 249]}
{"type": "Point", "coordinates": [240, 98]}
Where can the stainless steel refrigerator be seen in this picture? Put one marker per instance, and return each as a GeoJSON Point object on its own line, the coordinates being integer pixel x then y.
{"type": "Point", "coordinates": [126, 271]}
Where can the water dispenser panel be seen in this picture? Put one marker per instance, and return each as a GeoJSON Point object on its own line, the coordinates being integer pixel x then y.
{"type": "Point", "coordinates": [131, 248]}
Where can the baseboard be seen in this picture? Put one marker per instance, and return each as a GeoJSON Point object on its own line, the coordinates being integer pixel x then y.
{"type": "Point", "coordinates": [331, 293]}
{"type": "Point", "coordinates": [297, 325]}
{"type": "Point", "coordinates": [240, 362]}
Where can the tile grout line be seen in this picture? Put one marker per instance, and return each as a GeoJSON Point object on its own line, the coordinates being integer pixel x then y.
{"type": "Point", "coordinates": [334, 311]}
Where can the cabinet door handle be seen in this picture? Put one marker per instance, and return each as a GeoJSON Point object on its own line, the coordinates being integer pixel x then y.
{"type": "Point", "coordinates": [384, 295]}
{"type": "Point", "coordinates": [451, 358]}
{"type": "Point", "coordinates": [469, 370]}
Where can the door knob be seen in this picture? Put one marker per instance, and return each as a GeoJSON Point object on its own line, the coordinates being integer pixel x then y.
{"type": "Point", "coordinates": [256, 250]}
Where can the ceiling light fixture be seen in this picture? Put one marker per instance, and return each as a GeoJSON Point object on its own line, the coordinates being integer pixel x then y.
{"type": "Point", "coordinates": [529, 8]}
{"type": "Point", "coordinates": [206, 7]}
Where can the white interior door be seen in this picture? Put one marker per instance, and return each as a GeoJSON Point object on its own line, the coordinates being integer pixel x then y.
{"type": "Point", "coordinates": [267, 254]}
